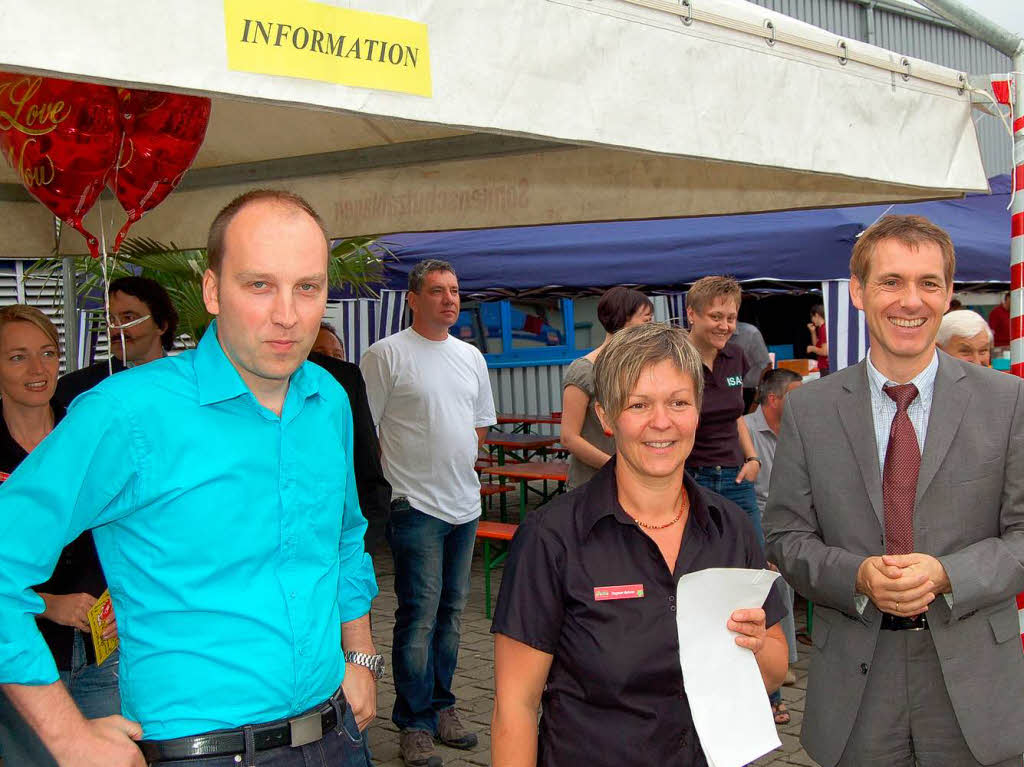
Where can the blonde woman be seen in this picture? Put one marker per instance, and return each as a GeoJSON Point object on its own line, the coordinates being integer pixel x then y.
{"type": "Point", "coordinates": [586, 618]}
{"type": "Point", "coordinates": [29, 366]}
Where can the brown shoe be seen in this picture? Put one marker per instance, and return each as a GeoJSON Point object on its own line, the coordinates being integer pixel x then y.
{"type": "Point", "coordinates": [418, 749]}
{"type": "Point", "coordinates": [451, 732]}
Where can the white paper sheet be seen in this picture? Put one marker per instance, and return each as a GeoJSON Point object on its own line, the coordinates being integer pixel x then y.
{"type": "Point", "coordinates": [727, 698]}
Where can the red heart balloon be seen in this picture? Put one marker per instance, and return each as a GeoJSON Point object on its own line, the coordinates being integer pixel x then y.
{"type": "Point", "coordinates": [162, 135]}
{"type": "Point", "coordinates": [62, 139]}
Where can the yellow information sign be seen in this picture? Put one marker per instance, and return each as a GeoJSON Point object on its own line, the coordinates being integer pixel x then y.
{"type": "Point", "coordinates": [314, 41]}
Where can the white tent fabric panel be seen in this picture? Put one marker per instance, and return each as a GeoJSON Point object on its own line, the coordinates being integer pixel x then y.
{"type": "Point", "coordinates": [662, 118]}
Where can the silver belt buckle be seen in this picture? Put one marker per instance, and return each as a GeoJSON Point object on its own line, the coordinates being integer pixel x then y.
{"type": "Point", "coordinates": [307, 728]}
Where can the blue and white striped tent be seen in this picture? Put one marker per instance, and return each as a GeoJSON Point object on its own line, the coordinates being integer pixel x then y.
{"type": "Point", "coordinates": [848, 340]}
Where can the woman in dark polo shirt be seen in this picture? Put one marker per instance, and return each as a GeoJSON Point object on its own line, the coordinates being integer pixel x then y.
{"type": "Point", "coordinates": [723, 457]}
{"type": "Point", "coordinates": [607, 670]}
{"type": "Point", "coordinates": [29, 365]}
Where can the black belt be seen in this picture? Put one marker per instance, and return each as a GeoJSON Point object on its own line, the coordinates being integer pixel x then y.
{"type": "Point", "coordinates": [296, 731]}
{"type": "Point", "coordinates": [897, 623]}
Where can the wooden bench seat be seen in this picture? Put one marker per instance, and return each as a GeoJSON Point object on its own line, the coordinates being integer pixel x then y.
{"type": "Point", "coordinates": [487, 532]}
{"type": "Point", "coordinates": [488, 490]}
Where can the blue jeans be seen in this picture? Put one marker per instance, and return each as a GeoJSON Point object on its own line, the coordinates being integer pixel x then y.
{"type": "Point", "coordinates": [432, 559]}
{"type": "Point", "coordinates": [93, 688]}
{"type": "Point", "coordinates": [722, 480]}
{"type": "Point", "coordinates": [344, 746]}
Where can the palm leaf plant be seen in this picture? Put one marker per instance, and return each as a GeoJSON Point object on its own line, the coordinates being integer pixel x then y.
{"type": "Point", "coordinates": [355, 263]}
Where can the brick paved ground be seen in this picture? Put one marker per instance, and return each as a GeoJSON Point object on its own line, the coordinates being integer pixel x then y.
{"type": "Point", "coordinates": [474, 682]}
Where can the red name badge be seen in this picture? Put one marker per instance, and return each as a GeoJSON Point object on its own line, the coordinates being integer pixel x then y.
{"type": "Point", "coordinates": [3, 476]}
{"type": "Point", "coordinates": [631, 591]}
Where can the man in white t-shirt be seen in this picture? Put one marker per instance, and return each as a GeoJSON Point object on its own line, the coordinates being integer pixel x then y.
{"type": "Point", "coordinates": [430, 396]}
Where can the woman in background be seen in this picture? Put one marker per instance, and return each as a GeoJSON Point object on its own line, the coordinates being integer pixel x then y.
{"type": "Point", "coordinates": [582, 434]}
{"type": "Point", "coordinates": [819, 338]}
{"type": "Point", "coordinates": [29, 366]}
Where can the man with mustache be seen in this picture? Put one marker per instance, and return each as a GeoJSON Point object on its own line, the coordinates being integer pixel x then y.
{"type": "Point", "coordinates": [142, 326]}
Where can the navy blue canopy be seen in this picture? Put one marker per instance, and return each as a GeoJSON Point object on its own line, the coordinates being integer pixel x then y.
{"type": "Point", "coordinates": [797, 246]}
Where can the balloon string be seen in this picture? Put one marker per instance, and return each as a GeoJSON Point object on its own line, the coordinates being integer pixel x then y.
{"type": "Point", "coordinates": [106, 294]}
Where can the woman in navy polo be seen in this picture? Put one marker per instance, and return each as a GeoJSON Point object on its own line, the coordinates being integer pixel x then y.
{"type": "Point", "coordinates": [723, 457]}
{"type": "Point", "coordinates": [586, 618]}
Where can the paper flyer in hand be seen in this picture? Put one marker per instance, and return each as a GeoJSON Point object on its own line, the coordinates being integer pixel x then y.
{"type": "Point", "coordinates": [728, 702]}
{"type": "Point", "coordinates": [100, 614]}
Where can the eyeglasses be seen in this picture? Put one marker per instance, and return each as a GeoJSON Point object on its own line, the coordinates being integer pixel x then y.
{"type": "Point", "coordinates": [123, 322]}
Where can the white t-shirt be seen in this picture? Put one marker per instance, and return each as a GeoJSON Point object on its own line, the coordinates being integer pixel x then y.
{"type": "Point", "coordinates": [427, 398]}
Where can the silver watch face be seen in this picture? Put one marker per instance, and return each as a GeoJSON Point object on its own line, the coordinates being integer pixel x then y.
{"type": "Point", "coordinates": [377, 665]}
{"type": "Point", "coordinates": [373, 662]}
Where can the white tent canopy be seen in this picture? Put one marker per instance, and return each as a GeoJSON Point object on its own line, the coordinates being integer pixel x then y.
{"type": "Point", "coordinates": [539, 111]}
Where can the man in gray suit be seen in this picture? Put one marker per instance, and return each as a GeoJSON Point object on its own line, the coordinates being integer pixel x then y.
{"type": "Point", "coordinates": [912, 557]}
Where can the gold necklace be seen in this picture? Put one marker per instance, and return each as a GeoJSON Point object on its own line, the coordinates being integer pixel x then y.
{"type": "Point", "coordinates": [682, 508]}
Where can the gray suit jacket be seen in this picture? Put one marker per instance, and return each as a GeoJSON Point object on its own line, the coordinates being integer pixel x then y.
{"type": "Point", "coordinates": [825, 515]}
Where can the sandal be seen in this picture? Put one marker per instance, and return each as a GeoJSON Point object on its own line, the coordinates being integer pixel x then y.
{"type": "Point", "coordinates": [780, 712]}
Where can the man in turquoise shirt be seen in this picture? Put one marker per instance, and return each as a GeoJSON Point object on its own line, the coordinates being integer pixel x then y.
{"type": "Point", "coordinates": [219, 485]}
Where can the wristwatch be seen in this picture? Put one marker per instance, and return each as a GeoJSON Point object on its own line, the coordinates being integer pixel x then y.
{"type": "Point", "coordinates": [750, 458]}
{"type": "Point", "coordinates": [373, 662]}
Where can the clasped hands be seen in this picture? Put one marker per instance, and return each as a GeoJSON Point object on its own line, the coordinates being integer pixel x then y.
{"type": "Point", "coordinates": [902, 584]}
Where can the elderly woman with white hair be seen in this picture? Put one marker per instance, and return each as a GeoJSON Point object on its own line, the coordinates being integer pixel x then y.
{"type": "Point", "coordinates": [586, 625]}
{"type": "Point", "coordinates": [966, 335]}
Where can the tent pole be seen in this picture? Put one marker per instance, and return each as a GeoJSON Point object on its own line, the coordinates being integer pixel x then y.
{"type": "Point", "coordinates": [1011, 45]}
{"type": "Point", "coordinates": [1017, 220]}
{"type": "Point", "coordinates": [70, 313]}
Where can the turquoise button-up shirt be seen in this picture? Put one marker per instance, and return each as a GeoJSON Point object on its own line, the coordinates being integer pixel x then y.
{"type": "Point", "coordinates": [231, 539]}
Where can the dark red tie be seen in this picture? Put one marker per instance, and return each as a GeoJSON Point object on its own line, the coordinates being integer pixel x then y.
{"type": "Point", "coordinates": [899, 477]}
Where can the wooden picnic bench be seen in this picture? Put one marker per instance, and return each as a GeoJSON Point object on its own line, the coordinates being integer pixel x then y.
{"type": "Point", "coordinates": [524, 473]}
{"type": "Point", "coordinates": [487, 532]}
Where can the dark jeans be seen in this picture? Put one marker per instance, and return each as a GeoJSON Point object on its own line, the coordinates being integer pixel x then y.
{"type": "Point", "coordinates": [94, 688]}
{"type": "Point", "coordinates": [722, 480]}
{"type": "Point", "coordinates": [344, 746]}
{"type": "Point", "coordinates": [432, 559]}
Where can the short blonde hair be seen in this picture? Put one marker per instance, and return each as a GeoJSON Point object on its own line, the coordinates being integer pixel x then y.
{"type": "Point", "coordinates": [634, 348]}
{"type": "Point", "coordinates": [705, 290]}
{"type": "Point", "coordinates": [24, 313]}
{"type": "Point", "coordinates": [912, 231]}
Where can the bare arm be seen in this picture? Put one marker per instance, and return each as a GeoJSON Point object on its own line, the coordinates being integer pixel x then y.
{"type": "Point", "coordinates": [520, 673]}
{"type": "Point", "coordinates": [359, 685]}
{"type": "Point", "coordinates": [750, 469]}
{"type": "Point", "coordinates": [481, 435]}
{"type": "Point", "coordinates": [575, 402]}
{"type": "Point", "coordinates": [74, 740]}
{"type": "Point", "coordinates": [768, 645]}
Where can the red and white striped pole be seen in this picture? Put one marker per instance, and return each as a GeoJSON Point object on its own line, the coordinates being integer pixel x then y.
{"type": "Point", "coordinates": [1016, 83]}
{"type": "Point", "coordinates": [1017, 242]}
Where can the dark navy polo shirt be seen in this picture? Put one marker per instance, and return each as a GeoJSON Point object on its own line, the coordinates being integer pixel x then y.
{"type": "Point", "coordinates": [614, 694]}
{"type": "Point", "coordinates": [718, 441]}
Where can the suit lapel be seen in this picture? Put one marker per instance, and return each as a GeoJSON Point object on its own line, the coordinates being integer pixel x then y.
{"type": "Point", "coordinates": [949, 402]}
{"type": "Point", "coordinates": [855, 414]}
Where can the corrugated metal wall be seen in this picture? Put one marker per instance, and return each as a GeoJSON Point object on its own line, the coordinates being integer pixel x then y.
{"type": "Point", "coordinates": [929, 40]}
{"type": "Point", "coordinates": [530, 391]}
